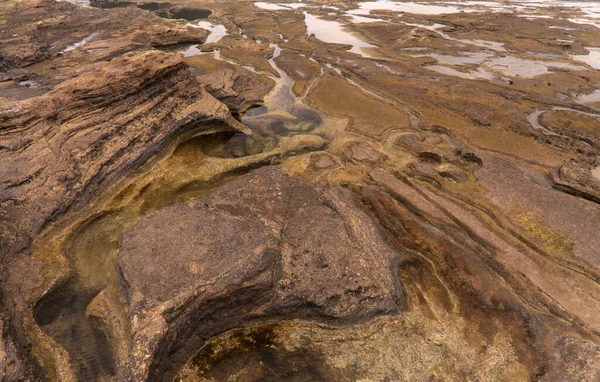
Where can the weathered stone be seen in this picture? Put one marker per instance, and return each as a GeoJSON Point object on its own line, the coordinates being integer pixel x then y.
{"type": "Point", "coordinates": [91, 131]}
{"type": "Point", "coordinates": [239, 90]}
{"type": "Point", "coordinates": [61, 150]}
{"type": "Point", "coordinates": [577, 179]}
{"type": "Point", "coordinates": [264, 246]}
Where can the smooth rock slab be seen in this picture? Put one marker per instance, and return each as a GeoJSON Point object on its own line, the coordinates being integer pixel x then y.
{"type": "Point", "coordinates": [266, 246]}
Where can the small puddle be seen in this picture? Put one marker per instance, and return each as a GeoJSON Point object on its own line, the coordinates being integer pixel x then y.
{"type": "Point", "coordinates": [463, 58]}
{"type": "Point", "coordinates": [562, 28]}
{"type": "Point", "coordinates": [164, 10]}
{"type": "Point", "coordinates": [270, 6]}
{"type": "Point", "coordinates": [280, 6]}
{"type": "Point", "coordinates": [84, 3]}
{"type": "Point", "coordinates": [333, 32]}
{"type": "Point", "coordinates": [586, 22]}
{"type": "Point", "coordinates": [592, 59]}
{"type": "Point", "coordinates": [189, 14]}
{"type": "Point", "coordinates": [356, 19]}
{"type": "Point", "coordinates": [282, 113]}
{"type": "Point", "coordinates": [192, 51]}
{"type": "Point", "coordinates": [118, 4]}
{"type": "Point", "coordinates": [80, 43]}
{"type": "Point", "coordinates": [259, 354]}
{"type": "Point", "coordinates": [30, 84]}
{"type": "Point", "coordinates": [450, 71]}
{"type": "Point", "coordinates": [408, 7]}
{"type": "Point", "coordinates": [593, 97]}
{"type": "Point", "coordinates": [518, 67]}
{"type": "Point", "coordinates": [217, 31]}
{"type": "Point", "coordinates": [534, 120]}
{"type": "Point", "coordinates": [491, 45]}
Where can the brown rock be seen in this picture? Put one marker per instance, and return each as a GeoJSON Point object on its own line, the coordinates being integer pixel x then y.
{"type": "Point", "coordinates": [61, 150]}
{"type": "Point", "coordinates": [578, 179]}
{"type": "Point", "coordinates": [239, 90]}
{"type": "Point", "coordinates": [264, 246]}
{"type": "Point", "coordinates": [69, 145]}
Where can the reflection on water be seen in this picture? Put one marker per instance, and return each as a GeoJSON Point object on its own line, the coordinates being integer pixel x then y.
{"type": "Point", "coordinates": [333, 32]}
{"type": "Point", "coordinates": [589, 98]}
{"type": "Point", "coordinates": [270, 6]}
{"type": "Point", "coordinates": [164, 10]}
{"type": "Point", "coordinates": [449, 71]}
{"type": "Point", "coordinates": [80, 43]}
{"type": "Point", "coordinates": [189, 14]}
{"type": "Point", "coordinates": [592, 59]}
{"type": "Point", "coordinates": [258, 354]}
{"type": "Point", "coordinates": [463, 58]}
{"type": "Point", "coordinates": [514, 66]}
{"type": "Point", "coordinates": [410, 7]}
{"type": "Point", "coordinates": [282, 113]}
{"type": "Point", "coordinates": [217, 32]}
{"type": "Point", "coordinates": [278, 7]}
{"type": "Point", "coordinates": [93, 246]}
{"type": "Point", "coordinates": [589, 10]}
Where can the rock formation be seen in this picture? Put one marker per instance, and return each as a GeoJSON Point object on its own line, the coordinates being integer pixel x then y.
{"type": "Point", "coordinates": [179, 204]}
{"type": "Point", "coordinates": [265, 246]}
{"type": "Point", "coordinates": [61, 150]}
{"type": "Point", "coordinates": [65, 147]}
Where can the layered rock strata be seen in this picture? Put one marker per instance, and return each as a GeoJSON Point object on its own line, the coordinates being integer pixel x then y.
{"type": "Point", "coordinates": [61, 150]}
{"type": "Point", "coordinates": [265, 246]}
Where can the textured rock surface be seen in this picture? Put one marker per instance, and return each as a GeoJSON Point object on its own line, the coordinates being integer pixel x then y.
{"type": "Point", "coordinates": [474, 188]}
{"type": "Point", "coordinates": [62, 149]}
{"type": "Point", "coordinates": [67, 146]}
{"type": "Point", "coordinates": [264, 246]}
{"type": "Point", "coordinates": [238, 91]}
{"type": "Point", "coordinates": [43, 42]}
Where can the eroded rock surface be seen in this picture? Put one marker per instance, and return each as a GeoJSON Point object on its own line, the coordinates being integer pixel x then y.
{"type": "Point", "coordinates": [264, 246]}
{"type": "Point", "coordinates": [69, 145]}
{"type": "Point", "coordinates": [457, 157]}
{"type": "Point", "coordinates": [61, 150]}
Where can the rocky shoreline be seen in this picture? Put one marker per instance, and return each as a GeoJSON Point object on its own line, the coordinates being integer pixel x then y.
{"type": "Point", "coordinates": [269, 205]}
